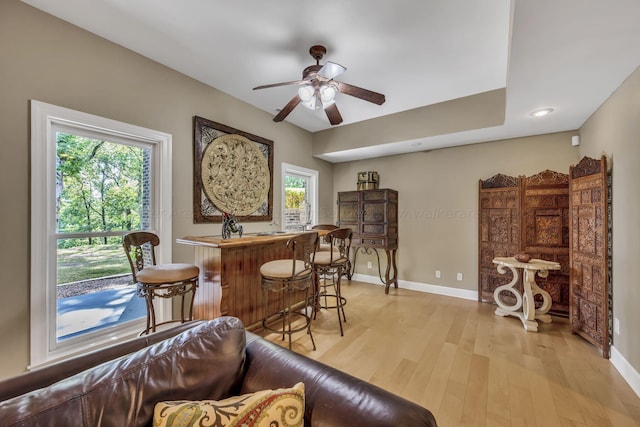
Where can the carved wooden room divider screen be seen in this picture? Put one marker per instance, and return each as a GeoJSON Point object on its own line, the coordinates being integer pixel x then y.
{"type": "Point", "coordinates": [589, 243]}
{"type": "Point", "coordinates": [500, 198]}
{"type": "Point", "coordinates": [545, 219]}
{"type": "Point", "coordinates": [525, 214]}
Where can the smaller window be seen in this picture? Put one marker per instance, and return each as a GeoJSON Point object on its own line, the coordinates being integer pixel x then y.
{"type": "Point", "coordinates": [300, 197]}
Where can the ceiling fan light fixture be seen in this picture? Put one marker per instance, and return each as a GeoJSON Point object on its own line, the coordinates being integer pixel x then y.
{"type": "Point", "coordinates": [306, 93]}
{"type": "Point", "coordinates": [310, 104]}
{"type": "Point", "coordinates": [327, 93]}
{"type": "Point", "coordinates": [314, 102]}
{"type": "Point", "coordinates": [318, 101]}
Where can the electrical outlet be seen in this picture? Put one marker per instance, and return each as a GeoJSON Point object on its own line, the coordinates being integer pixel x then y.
{"type": "Point", "coordinates": [438, 275]}
{"type": "Point", "coordinates": [459, 276]}
{"type": "Point", "coordinates": [616, 326]}
{"type": "Point", "coordinates": [369, 264]}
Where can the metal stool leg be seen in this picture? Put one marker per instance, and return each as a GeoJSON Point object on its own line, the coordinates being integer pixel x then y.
{"type": "Point", "coordinates": [147, 294]}
{"type": "Point", "coordinates": [308, 315]}
{"type": "Point", "coordinates": [323, 297]}
{"type": "Point", "coordinates": [339, 300]}
{"type": "Point", "coordinates": [287, 312]}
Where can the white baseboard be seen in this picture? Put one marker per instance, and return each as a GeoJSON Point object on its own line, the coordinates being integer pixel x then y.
{"type": "Point", "coordinates": [422, 287]}
{"type": "Point", "coordinates": [627, 371]}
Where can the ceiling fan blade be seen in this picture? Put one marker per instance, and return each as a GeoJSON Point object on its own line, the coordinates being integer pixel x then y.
{"type": "Point", "coordinates": [287, 109]}
{"type": "Point", "coordinates": [333, 114]}
{"type": "Point", "coordinates": [295, 82]}
{"type": "Point", "coordinates": [331, 70]}
{"type": "Point", "coordinates": [358, 92]}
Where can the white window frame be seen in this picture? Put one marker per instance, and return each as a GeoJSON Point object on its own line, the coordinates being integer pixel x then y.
{"type": "Point", "coordinates": [45, 119]}
{"type": "Point", "coordinates": [312, 195]}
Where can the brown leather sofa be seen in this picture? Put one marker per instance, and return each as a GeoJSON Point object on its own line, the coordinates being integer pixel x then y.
{"type": "Point", "coordinates": [120, 385]}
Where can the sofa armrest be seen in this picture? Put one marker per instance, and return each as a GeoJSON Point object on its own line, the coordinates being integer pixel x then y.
{"type": "Point", "coordinates": [45, 376]}
{"type": "Point", "coordinates": [332, 398]}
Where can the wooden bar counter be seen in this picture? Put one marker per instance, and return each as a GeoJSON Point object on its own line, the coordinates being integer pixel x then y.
{"type": "Point", "coordinates": [230, 282]}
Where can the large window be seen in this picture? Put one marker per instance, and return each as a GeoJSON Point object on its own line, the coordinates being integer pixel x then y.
{"type": "Point", "coordinates": [93, 180]}
{"type": "Point", "coordinates": [300, 197]}
{"type": "Point", "coordinates": [102, 192]}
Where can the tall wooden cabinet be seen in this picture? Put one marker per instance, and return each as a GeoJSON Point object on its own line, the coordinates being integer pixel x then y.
{"type": "Point", "coordinates": [373, 217]}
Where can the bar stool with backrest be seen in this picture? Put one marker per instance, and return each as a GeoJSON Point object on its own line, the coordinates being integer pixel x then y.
{"type": "Point", "coordinates": [324, 242]}
{"type": "Point", "coordinates": [286, 278]}
{"type": "Point", "coordinates": [159, 280]}
{"type": "Point", "coordinates": [324, 245]}
{"type": "Point", "coordinates": [329, 267]}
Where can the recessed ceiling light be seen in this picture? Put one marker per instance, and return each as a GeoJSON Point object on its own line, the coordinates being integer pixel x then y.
{"type": "Point", "coordinates": [542, 113]}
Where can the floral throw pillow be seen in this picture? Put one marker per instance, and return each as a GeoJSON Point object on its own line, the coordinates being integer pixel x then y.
{"type": "Point", "coordinates": [271, 408]}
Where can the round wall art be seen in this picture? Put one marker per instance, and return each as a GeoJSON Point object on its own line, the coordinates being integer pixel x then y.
{"type": "Point", "coordinates": [235, 175]}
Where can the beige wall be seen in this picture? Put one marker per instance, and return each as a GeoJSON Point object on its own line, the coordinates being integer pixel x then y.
{"type": "Point", "coordinates": [471, 112]}
{"type": "Point", "coordinates": [614, 130]}
{"type": "Point", "coordinates": [438, 200]}
{"type": "Point", "coordinates": [46, 59]}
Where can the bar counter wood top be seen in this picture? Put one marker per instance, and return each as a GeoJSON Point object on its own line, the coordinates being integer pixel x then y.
{"type": "Point", "coordinates": [230, 283]}
{"type": "Point", "coordinates": [247, 239]}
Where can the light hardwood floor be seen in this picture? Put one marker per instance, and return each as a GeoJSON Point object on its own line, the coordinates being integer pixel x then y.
{"type": "Point", "coordinates": [469, 366]}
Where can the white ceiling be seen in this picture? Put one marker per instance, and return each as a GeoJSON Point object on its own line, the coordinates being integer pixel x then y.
{"type": "Point", "coordinates": [569, 55]}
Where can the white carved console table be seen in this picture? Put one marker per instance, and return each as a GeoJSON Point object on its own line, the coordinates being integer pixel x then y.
{"type": "Point", "coordinates": [524, 307]}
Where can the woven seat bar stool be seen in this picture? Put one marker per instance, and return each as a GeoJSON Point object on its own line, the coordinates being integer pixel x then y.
{"type": "Point", "coordinates": [159, 280]}
{"type": "Point", "coordinates": [329, 267]}
{"type": "Point", "coordinates": [286, 278]}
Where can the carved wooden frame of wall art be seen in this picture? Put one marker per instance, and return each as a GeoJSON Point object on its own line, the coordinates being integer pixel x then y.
{"type": "Point", "coordinates": [232, 173]}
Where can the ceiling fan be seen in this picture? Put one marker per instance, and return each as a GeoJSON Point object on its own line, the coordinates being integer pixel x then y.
{"type": "Point", "coordinates": [317, 89]}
